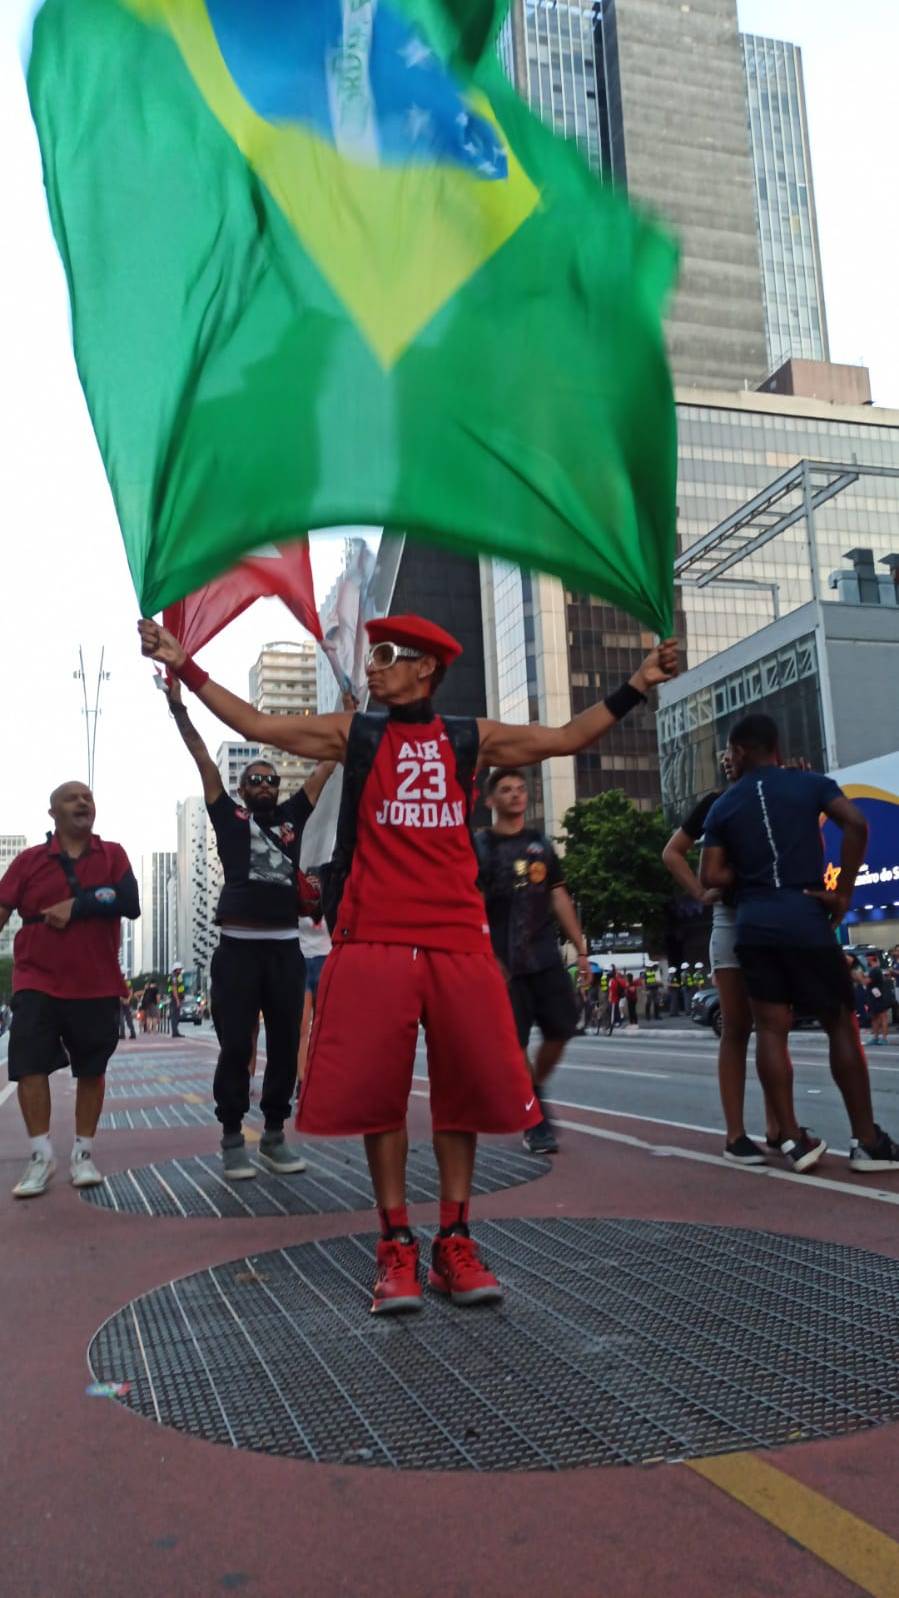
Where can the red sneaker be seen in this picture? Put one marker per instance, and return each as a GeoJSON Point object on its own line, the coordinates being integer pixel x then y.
{"type": "Point", "coordinates": [457, 1269]}
{"type": "Point", "coordinates": [396, 1285]}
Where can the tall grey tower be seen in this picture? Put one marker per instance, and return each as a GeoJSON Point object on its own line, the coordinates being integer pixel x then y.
{"type": "Point", "coordinates": [795, 315]}
{"type": "Point", "coordinates": [676, 88]}
{"type": "Point", "coordinates": [654, 93]}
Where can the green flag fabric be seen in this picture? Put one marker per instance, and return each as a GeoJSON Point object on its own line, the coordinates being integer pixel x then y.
{"type": "Point", "coordinates": [326, 268]}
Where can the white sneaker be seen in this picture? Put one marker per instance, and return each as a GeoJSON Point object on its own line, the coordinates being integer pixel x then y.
{"type": "Point", "coordinates": [84, 1171]}
{"type": "Point", "coordinates": [36, 1177]}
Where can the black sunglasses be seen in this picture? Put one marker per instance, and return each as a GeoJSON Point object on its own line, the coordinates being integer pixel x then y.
{"type": "Point", "coordinates": [256, 779]}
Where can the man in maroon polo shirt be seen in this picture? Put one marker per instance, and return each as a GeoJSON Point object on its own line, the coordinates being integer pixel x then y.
{"type": "Point", "coordinates": [71, 893]}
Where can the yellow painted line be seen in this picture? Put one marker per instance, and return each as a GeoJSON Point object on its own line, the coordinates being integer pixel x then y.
{"type": "Point", "coordinates": [838, 1538]}
{"type": "Point", "coordinates": [250, 1136]}
{"type": "Point", "coordinates": [193, 1098]}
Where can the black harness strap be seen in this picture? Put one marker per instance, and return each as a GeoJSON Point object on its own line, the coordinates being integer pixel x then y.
{"type": "Point", "coordinates": [366, 731]}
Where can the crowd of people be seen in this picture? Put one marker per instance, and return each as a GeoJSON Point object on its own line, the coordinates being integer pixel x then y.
{"type": "Point", "coordinates": [421, 923]}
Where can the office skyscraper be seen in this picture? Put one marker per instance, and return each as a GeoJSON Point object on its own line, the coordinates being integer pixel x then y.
{"type": "Point", "coordinates": [155, 932]}
{"type": "Point", "coordinates": [548, 52]}
{"type": "Point", "coordinates": [654, 94]}
{"type": "Point", "coordinates": [11, 844]}
{"type": "Point", "coordinates": [682, 121]}
{"type": "Point", "coordinates": [680, 140]}
{"type": "Point", "coordinates": [283, 683]}
{"type": "Point", "coordinates": [795, 317]}
{"type": "Point", "coordinates": [197, 934]}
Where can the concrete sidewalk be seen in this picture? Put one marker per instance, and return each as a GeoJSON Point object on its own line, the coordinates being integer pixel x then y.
{"type": "Point", "coordinates": [98, 1498]}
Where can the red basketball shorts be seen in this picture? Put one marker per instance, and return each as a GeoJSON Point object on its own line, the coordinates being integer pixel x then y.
{"type": "Point", "coordinates": [371, 998]}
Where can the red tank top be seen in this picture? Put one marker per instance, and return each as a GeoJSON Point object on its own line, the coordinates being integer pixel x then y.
{"type": "Point", "coordinates": [414, 874]}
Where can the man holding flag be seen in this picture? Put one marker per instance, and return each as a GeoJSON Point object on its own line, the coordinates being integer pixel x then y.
{"type": "Point", "coordinates": [327, 269]}
{"type": "Point", "coordinates": [411, 938]}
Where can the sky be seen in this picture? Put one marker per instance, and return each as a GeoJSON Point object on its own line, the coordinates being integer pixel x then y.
{"type": "Point", "coordinates": [63, 576]}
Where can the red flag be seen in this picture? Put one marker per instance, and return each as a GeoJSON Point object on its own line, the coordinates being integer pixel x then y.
{"type": "Point", "coordinates": [282, 571]}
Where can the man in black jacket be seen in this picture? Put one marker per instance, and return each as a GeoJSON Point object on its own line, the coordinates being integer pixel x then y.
{"type": "Point", "coordinates": [258, 966]}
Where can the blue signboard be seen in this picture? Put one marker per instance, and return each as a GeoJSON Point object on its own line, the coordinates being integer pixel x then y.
{"type": "Point", "coordinates": [876, 895]}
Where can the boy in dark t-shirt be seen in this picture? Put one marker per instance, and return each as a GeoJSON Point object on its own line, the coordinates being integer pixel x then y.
{"type": "Point", "coordinates": [527, 902]}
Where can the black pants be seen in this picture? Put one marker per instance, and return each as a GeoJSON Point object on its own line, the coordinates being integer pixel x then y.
{"type": "Point", "coordinates": [249, 976]}
{"type": "Point", "coordinates": [126, 1019]}
{"type": "Point", "coordinates": [174, 1017]}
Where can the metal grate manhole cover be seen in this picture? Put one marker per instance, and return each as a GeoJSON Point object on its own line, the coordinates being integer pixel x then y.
{"type": "Point", "coordinates": [336, 1178]}
{"type": "Point", "coordinates": [620, 1342]}
{"type": "Point", "coordinates": [157, 1087]}
{"type": "Point", "coordinates": [154, 1116]}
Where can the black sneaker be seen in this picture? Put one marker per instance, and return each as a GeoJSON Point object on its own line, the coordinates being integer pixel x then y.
{"type": "Point", "coordinates": [803, 1152]}
{"type": "Point", "coordinates": [880, 1156]}
{"type": "Point", "coordinates": [540, 1139]}
{"type": "Point", "coordinates": [744, 1152]}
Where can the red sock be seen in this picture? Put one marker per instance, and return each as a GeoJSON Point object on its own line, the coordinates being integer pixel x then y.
{"type": "Point", "coordinates": [453, 1213]}
{"type": "Point", "coordinates": [394, 1220]}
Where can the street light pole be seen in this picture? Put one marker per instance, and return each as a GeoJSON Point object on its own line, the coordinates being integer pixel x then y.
{"type": "Point", "coordinates": [91, 714]}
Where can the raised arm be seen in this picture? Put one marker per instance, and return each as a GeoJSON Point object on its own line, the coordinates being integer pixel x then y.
{"type": "Point", "coordinates": [316, 780]}
{"type": "Point", "coordinates": [316, 737]}
{"type": "Point", "coordinates": [210, 776]}
{"type": "Point", "coordinates": [502, 745]}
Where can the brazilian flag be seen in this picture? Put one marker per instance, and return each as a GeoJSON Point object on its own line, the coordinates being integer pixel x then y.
{"type": "Point", "coordinates": [326, 268]}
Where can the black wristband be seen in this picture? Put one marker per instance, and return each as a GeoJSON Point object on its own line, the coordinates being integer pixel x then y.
{"type": "Point", "coordinates": [624, 699]}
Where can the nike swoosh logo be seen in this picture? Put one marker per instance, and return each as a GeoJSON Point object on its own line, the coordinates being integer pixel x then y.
{"type": "Point", "coordinates": [530, 1104]}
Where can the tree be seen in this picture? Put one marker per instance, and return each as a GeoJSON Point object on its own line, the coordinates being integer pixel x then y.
{"type": "Point", "coordinates": [5, 977]}
{"type": "Point", "coordinates": [613, 866]}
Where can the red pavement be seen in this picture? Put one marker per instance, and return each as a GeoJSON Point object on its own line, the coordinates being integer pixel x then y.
{"type": "Point", "coordinates": [96, 1500]}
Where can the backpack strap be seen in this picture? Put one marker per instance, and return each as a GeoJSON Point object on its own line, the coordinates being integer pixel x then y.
{"type": "Point", "coordinates": [363, 742]}
{"type": "Point", "coordinates": [465, 742]}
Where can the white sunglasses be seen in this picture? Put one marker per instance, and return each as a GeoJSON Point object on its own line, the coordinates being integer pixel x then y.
{"type": "Point", "coordinates": [382, 656]}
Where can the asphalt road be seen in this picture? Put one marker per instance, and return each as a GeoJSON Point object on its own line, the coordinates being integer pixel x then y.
{"type": "Point", "coordinates": [670, 1077]}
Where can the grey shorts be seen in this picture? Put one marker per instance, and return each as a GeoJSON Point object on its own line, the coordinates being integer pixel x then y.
{"type": "Point", "coordinates": [723, 942]}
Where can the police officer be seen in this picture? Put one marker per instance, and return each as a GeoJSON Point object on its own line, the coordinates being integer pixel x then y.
{"type": "Point", "coordinates": [653, 992]}
{"type": "Point", "coordinates": [176, 994]}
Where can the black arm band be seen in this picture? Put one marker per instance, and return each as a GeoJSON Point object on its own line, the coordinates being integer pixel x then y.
{"type": "Point", "coordinates": [622, 700]}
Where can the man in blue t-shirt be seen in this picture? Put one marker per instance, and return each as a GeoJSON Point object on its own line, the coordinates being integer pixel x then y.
{"type": "Point", "coordinates": [763, 839]}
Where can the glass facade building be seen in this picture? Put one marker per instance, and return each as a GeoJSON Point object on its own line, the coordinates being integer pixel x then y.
{"type": "Point", "coordinates": [795, 317]}
{"type": "Point", "coordinates": [605, 648]}
{"type": "Point", "coordinates": [823, 672]}
{"type": "Point", "coordinates": [693, 732]}
{"type": "Point", "coordinates": [733, 446]}
{"type": "Point", "coordinates": [548, 50]}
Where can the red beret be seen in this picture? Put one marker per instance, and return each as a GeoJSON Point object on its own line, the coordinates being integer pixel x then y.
{"type": "Point", "coordinates": [415, 633]}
